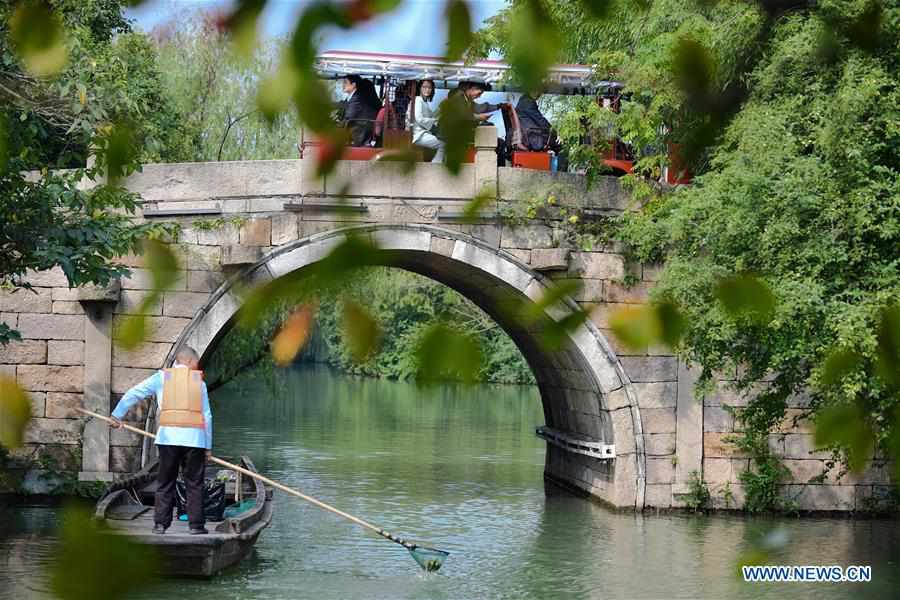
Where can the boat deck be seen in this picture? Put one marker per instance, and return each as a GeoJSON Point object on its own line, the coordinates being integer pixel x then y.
{"type": "Point", "coordinates": [141, 529]}
{"type": "Point", "coordinates": [128, 511]}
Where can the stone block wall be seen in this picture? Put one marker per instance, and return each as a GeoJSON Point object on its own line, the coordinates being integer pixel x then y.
{"type": "Point", "coordinates": [67, 357]}
{"type": "Point", "coordinates": [49, 364]}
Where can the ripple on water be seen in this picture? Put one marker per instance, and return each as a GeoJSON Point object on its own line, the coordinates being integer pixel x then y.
{"type": "Point", "coordinates": [461, 471]}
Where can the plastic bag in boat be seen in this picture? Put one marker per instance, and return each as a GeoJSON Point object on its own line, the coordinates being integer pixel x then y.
{"type": "Point", "coordinates": [213, 499]}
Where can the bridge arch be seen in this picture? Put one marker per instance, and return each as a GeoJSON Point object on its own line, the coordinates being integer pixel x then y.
{"type": "Point", "coordinates": [583, 386]}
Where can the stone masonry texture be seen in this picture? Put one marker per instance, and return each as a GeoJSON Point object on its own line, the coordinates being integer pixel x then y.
{"type": "Point", "coordinates": [637, 399]}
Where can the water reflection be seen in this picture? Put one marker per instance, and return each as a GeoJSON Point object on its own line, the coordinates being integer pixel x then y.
{"type": "Point", "coordinates": [461, 469]}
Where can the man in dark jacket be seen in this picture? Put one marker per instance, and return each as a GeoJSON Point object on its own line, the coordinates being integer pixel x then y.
{"type": "Point", "coordinates": [471, 91]}
{"type": "Point", "coordinates": [537, 133]}
{"type": "Point", "coordinates": [360, 110]}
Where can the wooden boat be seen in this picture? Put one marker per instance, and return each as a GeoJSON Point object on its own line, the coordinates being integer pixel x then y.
{"type": "Point", "coordinates": [127, 509]}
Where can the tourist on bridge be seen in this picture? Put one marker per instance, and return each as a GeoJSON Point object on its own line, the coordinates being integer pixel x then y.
{"type": "Point", "coordinates": [468, 92]}
{"type": "Point", "coordinates": [360, 109]}
{"type": "Point", "coordinates": [537, 132]}
{"type": "Point", "coordinates": [422, 118]}
{"type": "Point", "coordinates": [184, 438]}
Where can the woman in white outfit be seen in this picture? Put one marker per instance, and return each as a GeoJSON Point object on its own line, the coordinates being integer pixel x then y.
{"type": "Point", "coordinates": [422, 117]}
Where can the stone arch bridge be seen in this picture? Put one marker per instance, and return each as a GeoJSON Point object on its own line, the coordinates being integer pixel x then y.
{"type": "Point", "coordinates": [622, 427]}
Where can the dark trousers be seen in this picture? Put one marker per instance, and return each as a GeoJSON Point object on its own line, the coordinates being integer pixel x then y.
{"type": "Point", "coordinates": [193, 466]}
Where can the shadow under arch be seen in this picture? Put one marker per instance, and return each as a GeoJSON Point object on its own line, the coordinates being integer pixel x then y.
{"type": "Point", "coordinates": [583, 386]}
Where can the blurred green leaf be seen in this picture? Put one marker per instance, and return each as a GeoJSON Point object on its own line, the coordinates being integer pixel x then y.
{"type": "Point", "coordinates": [761, 551]}
{"type": "Point", "coordinates": [458, 130]}
{"type": "Point", "coordinates": [361, 331]}
{"type": "Point", "coordinates": [4, 141]}
{"type": "Point", "coordinates": [163, 264]}
{"type": "Point", "coordinates": [446, 354]}
{"type": "Point", "coordinates": [302, 42]}
{"type": "Point", "coordinates": [846, 426]}
{"type": "Point", "coordinates": [672, 322]}
{"type": "Point", "coordinates": [341, 263]}
{"type": "Point", "coordinates": [407, 157]}
{"type": "Point", "coordinates": [314, 104]}
{"type": "Point", "coordinates": [38, 36]}
{"type": "Point", "coordinates": [131, 330]}
{"type": "Point", "coordinates": [330, 150]}
{"type": "Point", "coordinates": [555, 293]}
{"type": "Point", "coordinates": [865, 30]}
{"type": "Point", "coordinates": [828, 47]}
{"type": "Point", "coordinates": [337, 267]}
{"type": "Point", "coordinates": [90, 564]}
{"type": "Point", "coordinates": [459, 29]}
{"type": "Point", "coordinates": [15, 412]}
{"type": "Point", "coordinates": [119, 150]}
{"type": "Point", "coordinates": [359, 11]}
{"type": "Point", "coordinates": [746, 296]}
{"type": "Point", "coordinates": [694, 68]}
{"type": "Point", "coordinates": [839, 365]}
{"type": "Point", "coordinates": [293, 335]}
{"type": "Point", "coordinates": [535, 44]}
{"type": "Point", "coordinates": [596, 9]}
{"type": "Point", "coordinates": [275, 93]}
{"type": "Point", "coordinates": [894, 444]}
{"type": "Point", "coordinates": [639, 327]}
{"type": "Point", "coordinates": [636, 327]}
{"type": "Point", "coordinates": [255, 300]}
{"type": "Point", "coordinates": [475, 206]}
{"type": "Point", "coordinates": [888, 363]}
{"type": "Point", "coordinates": [751, 558]}
{"type": "Point", "coordinates": [242, 24]}
{"type": "Point", "coordinates": [555, 333]}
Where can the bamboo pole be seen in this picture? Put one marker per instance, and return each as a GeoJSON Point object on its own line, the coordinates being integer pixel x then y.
{"type": "Point", "coordinates": [397, 540]}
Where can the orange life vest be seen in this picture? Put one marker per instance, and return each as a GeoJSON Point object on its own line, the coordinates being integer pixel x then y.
{"type": "Point", "coordinates": [182, 401]}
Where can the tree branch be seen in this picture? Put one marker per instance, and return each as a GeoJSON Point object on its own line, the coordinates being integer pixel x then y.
{"type": "Point", "coordinates": [231, 123]}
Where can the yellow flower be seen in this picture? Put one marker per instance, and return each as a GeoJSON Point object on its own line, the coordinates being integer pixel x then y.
{"type": "Point", "coordinates": [573, 219]}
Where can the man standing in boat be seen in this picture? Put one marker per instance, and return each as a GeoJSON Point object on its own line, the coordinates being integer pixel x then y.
{"type": "Point", "coordinates": [184, 438]}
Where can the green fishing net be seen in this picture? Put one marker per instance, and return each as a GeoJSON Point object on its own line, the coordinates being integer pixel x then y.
{"type": "Point", "coordinates": [429, 558]}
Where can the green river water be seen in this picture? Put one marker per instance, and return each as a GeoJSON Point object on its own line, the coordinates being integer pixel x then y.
{"type": "Point", "coordinates": [461, 469]}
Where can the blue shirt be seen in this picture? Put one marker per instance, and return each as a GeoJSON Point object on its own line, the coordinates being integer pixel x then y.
{"type": "Point", "coordinates": [192, 437]}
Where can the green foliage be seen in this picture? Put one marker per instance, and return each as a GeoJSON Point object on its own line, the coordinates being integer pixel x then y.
{"type": "Point", "coordinates": [641, 326]}
{"type": "Point", "coordinates": [459, 35]}
{"type": "Point", "coordinates": [728, 495]}
{"type": "Point", "coordinates": [216, 91]}
{"type": "Point", "coordinates": [163, 265]}
{"type": "Point", "coordinates": [697, 497]}
{"type": "Point", "coordinates": [37, 36]}
{"type": "Point", "coordinates": [558, 206]}
{"type": "Point", "coordinates": [111, 76]}
{"type": "Point", "coordinates": [52, 221]}
{"type": "Point", "coordinates": [799, 185]}
{"type": "Point", "coordinates": [15, 412]}
{"type": "Point", "coordinates": [406, 305]}
{"type": "Point", "coordinates": [90, 564]}
{"type": "Point", "coordinates": [401, 305]}
{"type": "Point", "coordinates": [107, 101]}
{"type": "Point", "coordinates": [761, 481]}
{"type": "Point", "coordinates": [218, 223]}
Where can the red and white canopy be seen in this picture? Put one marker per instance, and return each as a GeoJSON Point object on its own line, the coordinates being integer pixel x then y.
{"type": "Point", "coordinates": [561, 79]}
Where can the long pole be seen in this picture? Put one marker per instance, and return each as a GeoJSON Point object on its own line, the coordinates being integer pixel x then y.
{"type": "Point", "coordinates": [409, 546]}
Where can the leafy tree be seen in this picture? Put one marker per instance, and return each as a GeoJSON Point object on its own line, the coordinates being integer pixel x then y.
{"type": "Point", "coordinates": [405, 305]}
{"type": "Point", "coordinates": [55, 112]}
{"type": "Point", "coordinates": [788, 112]}
{"type": "Point", "coordinates": [216, 91]}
